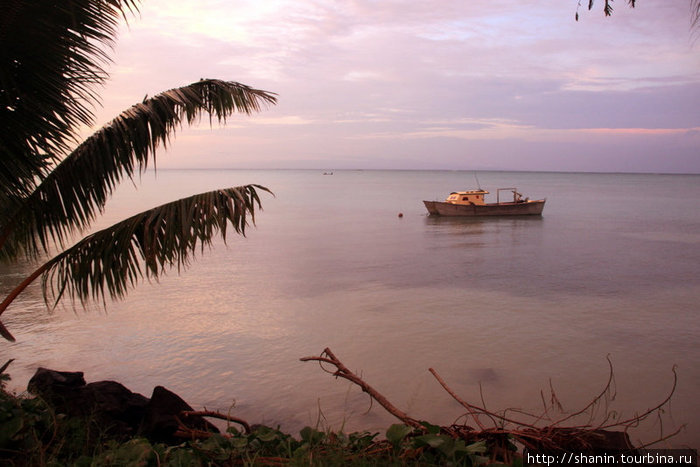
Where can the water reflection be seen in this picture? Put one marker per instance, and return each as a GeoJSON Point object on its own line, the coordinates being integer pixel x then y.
{"type": "Point", "coordinates": [508, 302]}
{"type": "Point", "coordinates": [494, 220]}
{"type": "Point", "coordinates": [481, 226]}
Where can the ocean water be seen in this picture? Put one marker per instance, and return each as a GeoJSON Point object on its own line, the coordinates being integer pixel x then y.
{"type": "Point", "coordinates": [504, 309]}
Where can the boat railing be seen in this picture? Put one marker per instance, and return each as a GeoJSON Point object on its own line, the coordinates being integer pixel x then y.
{"type": "Point", "coordinates": [513, 189]}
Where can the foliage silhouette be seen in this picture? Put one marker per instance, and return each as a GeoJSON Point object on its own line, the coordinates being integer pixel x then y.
{"type": "Point", "coordinates": [52, 188]}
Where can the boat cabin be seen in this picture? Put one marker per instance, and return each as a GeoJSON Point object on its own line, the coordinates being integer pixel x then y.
{"type": "Point", "coordinates": [467, 197]}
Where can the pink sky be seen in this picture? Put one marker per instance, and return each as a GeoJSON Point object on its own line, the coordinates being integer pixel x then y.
{"type": "Point", "coordinates": [508, 85]}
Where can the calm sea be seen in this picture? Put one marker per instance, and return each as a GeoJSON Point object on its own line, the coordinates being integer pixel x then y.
{"type": "Point", "coordinates": [501, 308]}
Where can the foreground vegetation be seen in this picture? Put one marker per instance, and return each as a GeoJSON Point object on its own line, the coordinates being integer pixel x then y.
{"type": "Point", "coordinates": [52, 188]}
{"type": "Point", "coordinates": [36, 431]}
{"type": "Point", "coordinates": [32, 434]}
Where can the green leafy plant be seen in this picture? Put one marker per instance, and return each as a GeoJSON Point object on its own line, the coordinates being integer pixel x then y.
{"type": "Point", "coordinates": [428, 446]}
{"type": "Point", "coordinates": [32, 434]}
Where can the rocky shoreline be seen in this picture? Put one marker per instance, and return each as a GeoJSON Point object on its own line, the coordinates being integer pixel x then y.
{"type": "Point", "coordinates": [70, 421]}
{"type": "Point", "coordinates": [114, 410]}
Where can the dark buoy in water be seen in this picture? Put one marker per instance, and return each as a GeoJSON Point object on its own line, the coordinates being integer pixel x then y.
{"type": "Point", "coordinates": [400, 214]}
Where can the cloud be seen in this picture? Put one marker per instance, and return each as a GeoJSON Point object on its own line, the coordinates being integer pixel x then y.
{"type": "Point", "coordinates": [375, 77]}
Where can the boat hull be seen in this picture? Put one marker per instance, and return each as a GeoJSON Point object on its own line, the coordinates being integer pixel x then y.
{"type": "Point", "coordinates": [528, 208]}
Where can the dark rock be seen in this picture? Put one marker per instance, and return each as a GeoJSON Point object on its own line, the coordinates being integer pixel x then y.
{"type": "Point", "coordinates": [109, 408]}
{"type": "Point", "coordinates": [62, 390]}
{"type": "Point", "coordinates": [162, 413]}
{"type": "Point", "coordinates": [116, 409]}
{"type": "Point", "coordinates": [46, 381]}
{"type": "Point", "coordinates": [588, 441]}
{"type": "Point", "coordinates": [606, 440]}
{"type": "Point", "coordinates": [112, 410]}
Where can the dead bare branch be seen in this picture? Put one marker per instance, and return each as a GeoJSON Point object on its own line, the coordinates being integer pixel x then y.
{"type": "Point", "coordinates": [219, 415]}
{"type": "Point", "coordinates": [343, 372]}
{"type": "Point", "coordinates": [639, 418]}
{"type": "Point", "coordinates": [595, 400]}
{"type": "Point", "coordinates": [553, 436]}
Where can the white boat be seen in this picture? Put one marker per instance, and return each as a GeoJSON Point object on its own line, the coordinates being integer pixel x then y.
{"type": "Point", "coordinates": [471, 204]}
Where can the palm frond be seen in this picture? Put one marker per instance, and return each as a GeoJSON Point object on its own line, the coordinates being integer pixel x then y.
{"type": "Point", "coordinates": [113, 260]}
{"type": "Point", "coordinates": [73, 192]}
{"type": "Point", "coordinates": [607, 9]}
{"type": "Point", "coordinates": [51, 57]}
{"type": "Point", "coordinates": [5, 333]}
{"type": "Point", "coordinates": [110, 261]}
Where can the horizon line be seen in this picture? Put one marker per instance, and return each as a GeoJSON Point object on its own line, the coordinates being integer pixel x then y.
{"type": "Point", "coordinates": [613, 172]}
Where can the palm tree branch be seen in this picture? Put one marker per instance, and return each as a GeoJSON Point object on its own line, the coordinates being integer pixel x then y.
{"type": "Point", "coordinates": [52, 55]}
{"type": "Point", "coordinates": [70, 196]}
{"type": "Point", "coordinates": [113, 260]}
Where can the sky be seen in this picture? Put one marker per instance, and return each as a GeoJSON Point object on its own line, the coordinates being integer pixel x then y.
{"type": "Point", "coordinates": [445, 85]}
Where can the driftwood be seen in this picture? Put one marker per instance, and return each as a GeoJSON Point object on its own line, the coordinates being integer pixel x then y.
{"type": "Point", "coordinates": [343, 372]}
{"type": "Point", "coordinates": [219, 415]}
{"type": "Point", "coordinates": [539, 433]}
{"type": "Point", "coordinates": [185, 430]}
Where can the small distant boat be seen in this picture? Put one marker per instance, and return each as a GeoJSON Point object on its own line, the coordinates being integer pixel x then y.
{"type": "Point", "coordinates": [471, 204]}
